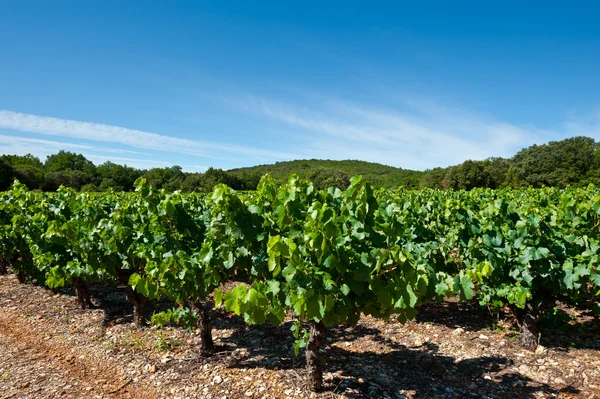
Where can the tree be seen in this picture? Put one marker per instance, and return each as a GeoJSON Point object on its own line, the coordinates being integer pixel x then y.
{"type": "Point", "coordinates": [167, 178]}
{"type": "Point", "coordinates": [433, 178]}
{"type": "Point", "coordinates": [496, 169]}
{"type": "Point", "coordinates": [89, 188]}
{"type": "Point", "coordinates": [69, 178]}
{"type": "Point", "coordinates": [123, 176]}
{"type": "Point", "coordinates": [249, 180]}
{"type": "Point", "coordinates": [109, 184]}
{"type": "Point", "coordinates": [468, 175]}
{"type": "Point", "coordinates": [29, 175]}
{"type": "Point", "coordinates": [28, 160]}
{"type": "Point", "coordinates": [556, 164]}
{"type": "Point", "coordinates": [324, 178]}
{"type": "Point", "coordinates": [214, 176]}
{"type": "Point", "coordinates": [191, 182]}
{"type": "Point", "coordinates": [6, 175]}
{"type": "Point", "coordinates": [65, 161]}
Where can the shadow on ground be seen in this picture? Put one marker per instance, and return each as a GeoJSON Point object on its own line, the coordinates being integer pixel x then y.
{"type": "Point", "coordinates": [418, 371]}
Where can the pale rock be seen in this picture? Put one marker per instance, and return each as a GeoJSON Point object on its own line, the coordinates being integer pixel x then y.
{"type": "Point", "coordinates": [523, 369]}
{"type": "Point", "coordinates": [541, 350]}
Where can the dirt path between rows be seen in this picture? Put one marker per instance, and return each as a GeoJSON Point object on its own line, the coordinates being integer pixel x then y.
{"type": "Point", "coordinates": [50, 348]}
{"type": "Point", "coordinates": [39, 364]}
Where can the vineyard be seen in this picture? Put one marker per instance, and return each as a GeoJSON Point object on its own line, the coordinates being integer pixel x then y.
{"type": "Point", "coordinates": [320, 258]}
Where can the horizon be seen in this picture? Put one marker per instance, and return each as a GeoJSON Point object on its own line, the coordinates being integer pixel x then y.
{"type": "Point", "coordinates": [409, 86]}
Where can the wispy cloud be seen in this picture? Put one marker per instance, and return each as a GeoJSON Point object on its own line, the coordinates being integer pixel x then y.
{"type": "Point", "coordinates": [131, 137]}
{"type": "Point", "coordinates": [42, 148]}
{"type": "Point", "coordinates": [416, 135]}
{"type": "Point", "coordinates": [409, 134]}
{"type": "Point", "coordinates": [23, 143]}
{"type": "Point", "coordinates": [586, 125]}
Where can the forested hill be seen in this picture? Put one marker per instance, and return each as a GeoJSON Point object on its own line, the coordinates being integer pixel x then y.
{"type": "Point", "coordinates": [574, 161]}
{"type": "Point", "coordinates": [336, 173]}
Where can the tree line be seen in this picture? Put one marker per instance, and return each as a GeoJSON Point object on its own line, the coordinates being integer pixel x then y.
{"type": "Point", "coordinates": [571, 162]}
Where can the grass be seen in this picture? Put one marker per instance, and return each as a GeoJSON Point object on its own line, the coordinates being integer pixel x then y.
{"type": "Point", "coordinates": [133, 341]}
{"type": "Point", "coordinates": [165, 343]}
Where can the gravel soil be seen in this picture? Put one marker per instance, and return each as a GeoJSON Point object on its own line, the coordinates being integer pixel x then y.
{"type": "Point", "coordinates": [50, 348]}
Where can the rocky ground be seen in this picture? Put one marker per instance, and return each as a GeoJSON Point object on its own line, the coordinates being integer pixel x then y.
{"type": "Point", "coordinates": [50, 348]}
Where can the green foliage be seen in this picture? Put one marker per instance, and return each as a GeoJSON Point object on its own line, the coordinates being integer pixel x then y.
{"type": "Point", "coordinates": [68, 161]}
{"type": "Point", "coordinates": [31, 176]}
{"type": "Point", "coordinates": [115, 176]}
{"type": "Point", "coordinates": [556, 164]}
{"type": "Point", "coordinates": [574, 161]}
{"type": "Point", "coordinates": [70, 178]}
{"type": "Point", "coordinates": [6, 175]}
{"type": "Point", "coordinates": [164, 177]}
{"type": "Point", "coordinates": [182, 315]}
{"type": "Point", "coordinates": [23, 160]}
{"type": "Point", "coordinates": [325, 255]}
{"type": "Point", "coordinates": [337, 172]}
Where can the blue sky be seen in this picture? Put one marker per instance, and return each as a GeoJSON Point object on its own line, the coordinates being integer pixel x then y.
{"type": "Point", "coordinates": [230, 84]}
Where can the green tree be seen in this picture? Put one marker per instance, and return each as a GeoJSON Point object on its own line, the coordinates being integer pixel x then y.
{"type": "Point", "coordinates": [191, 182]}
{"type": "Point", "coordinates": [468, 175]}
{"type": "Point", "coordinates": [168, 178]}
{"type": "Point", "coordinates": [214, 176]}
{"type": "Point", "coordinates": [31, 176]}
{"type": "Point", "coordinates": [6, 175]}
{"type": "Point", "coordinates": [556, 164]}
{"type": "Point", "coordinates": [123, 176]}
{"type": "Point", "coordinates": [324, 178]}
{"type": "Point", "coordinates": [65, 161]}
{"type": "Point", "coordinates": [28, 169]}
{"type": "Point", "coordinates": [108, 184]}
{"type": "Point", "coordinates": [69, 178]}
{"type": "Point", "coordinates": [496, 170]}
{"type": "Point", "coordinates": [433, 178]}
{"type": "Point", "coordinates": [17, 160]}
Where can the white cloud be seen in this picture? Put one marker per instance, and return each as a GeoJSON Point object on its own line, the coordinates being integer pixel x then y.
{"type": "Point", "coordinates": [42, 148]}
{"type": "Point", "coordinates": [131, 137]}
{"type": "Point", "coordinates": [412, 135]}
{"type": "Point", "coordinates": [587, 125]}
{"type": "Point", "coordinates": [424, 136]}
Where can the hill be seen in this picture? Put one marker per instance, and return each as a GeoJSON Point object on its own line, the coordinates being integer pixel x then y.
{"type": "Point", "coordinates": [573, 161]}
{"type": "Point", "coordinates": [327, 172]}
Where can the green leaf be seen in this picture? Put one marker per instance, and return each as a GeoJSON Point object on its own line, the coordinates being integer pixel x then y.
{"type": "Point", "coordinates": [218, 296]}
{"type": "Point", "coordinates": [464, 286]}
{"type": "Point", "coordinates": [345, 289]}
{"type": "Point", "coordinates": [273, 286]}
{"type": "Point", "coordinates": [134, 280]}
